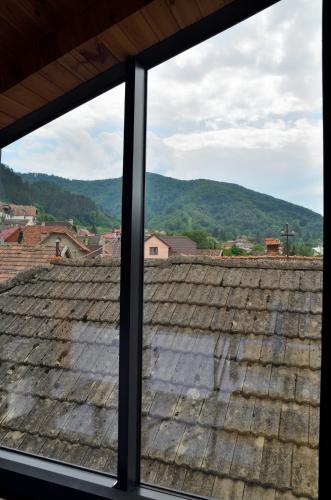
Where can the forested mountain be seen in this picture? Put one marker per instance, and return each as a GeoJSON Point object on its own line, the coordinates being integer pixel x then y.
{"type": "Point", "coordinates": [224, 210]}
{"type": "Point", "coordinates": [52, 200]}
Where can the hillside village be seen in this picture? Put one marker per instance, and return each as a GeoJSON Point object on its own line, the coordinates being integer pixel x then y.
{"type": "Point", "coordinates": [23, 235]}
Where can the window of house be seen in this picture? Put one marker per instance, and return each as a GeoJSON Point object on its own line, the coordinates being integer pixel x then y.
{"type": "Point", "coordinates": [153, 250]}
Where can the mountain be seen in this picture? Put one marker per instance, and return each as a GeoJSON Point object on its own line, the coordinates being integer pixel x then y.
{"type": "Point", "coordinates": [52, 200]}
{"type": "Point", "coordinates": [224, 210]}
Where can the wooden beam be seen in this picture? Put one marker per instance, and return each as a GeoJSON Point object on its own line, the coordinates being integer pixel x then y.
{"type": "Point", "coordinates": [23, 60]}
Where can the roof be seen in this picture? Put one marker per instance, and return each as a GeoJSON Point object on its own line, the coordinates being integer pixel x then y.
{"type": "Point", "coordinates": [230, 380]}
{"type": "Point", "coordinates": [15, 258]}
{"type": "Point", "coordinates": [5, 233]}
{"type": "Point", "coordinates": [36, 72]}
{"type": "Point", "coordinates": [178, 244]}
{"type": "Point", "coordinates": [271, 241]}
{"type": "Point", "coordinates": [15, 222]}
{"type": "Point", "coordinates": [34, 235]}
{"type": "Point", "coordinates": [19, 210]}
{"type": "Point", "coordinates": [113, 248]}
{"type": "Point", "coordinates": [85, 232]}
{"type": "Point", "coordinates": [69, 235]}
{"type": "Point", "coordinates": [61, 223]}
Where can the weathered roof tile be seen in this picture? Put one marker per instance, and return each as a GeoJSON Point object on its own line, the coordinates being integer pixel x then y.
{"type": "Point", "coordinates": [247, 457]}
{"type": "Point", "coordinates": [198, 483]}
{"type": "Point", "coordinates": [219, 453]}
{"type": "Point", "coordinates": [228, 489]}
{"type": "Point", "coordinates": [167, 440]}
{"type": "Point", "coordinates": [239, 414]}
{"type": "Point", "coordinates": [266, 418]}
{"type": "Point", "coordinates": [305, 471]}
{"type": "Point", "coordinates": [294, 423]}
{"type": "Point", "coordinates": [282, 383]}
{"type": "Point", "coordinates": [191, 449]}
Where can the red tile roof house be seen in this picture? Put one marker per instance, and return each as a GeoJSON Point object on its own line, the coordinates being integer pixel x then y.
{"type": "Point", "coordinates": [10, 210]}
{"type": "Point", "coordinates": [10, 235]}
{"type": "Point", "coordinates": [47, 235]}
{"type": "Point", "coordinates": [272, 246]}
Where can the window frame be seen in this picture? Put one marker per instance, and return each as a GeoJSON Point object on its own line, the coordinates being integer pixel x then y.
{"type": "Point", "coordinates": [154, 252]}
{"type": "Point", "coordinates": [20, 472]}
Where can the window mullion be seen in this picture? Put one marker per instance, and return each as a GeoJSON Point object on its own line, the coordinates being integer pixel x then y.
{"type": "Point", "coordinates": [132, 269]}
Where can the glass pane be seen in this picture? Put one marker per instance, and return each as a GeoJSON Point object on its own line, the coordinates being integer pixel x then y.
{"type": "Point", "coordinates": [232, 326]}
{"type": "Point", "coordinates": [59, 286]}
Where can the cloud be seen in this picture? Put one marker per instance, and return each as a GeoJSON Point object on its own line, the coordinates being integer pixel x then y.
{"type": "Point", "coordinates": [243, 107]}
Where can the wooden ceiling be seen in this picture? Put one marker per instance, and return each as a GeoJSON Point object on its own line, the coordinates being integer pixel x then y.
{"type": "Point", "coordinates": [49, 47]}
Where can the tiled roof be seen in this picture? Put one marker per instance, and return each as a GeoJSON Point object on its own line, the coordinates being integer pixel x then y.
{"type": "Point", "coordinates": [69, 235]}
{"type": "Point", "coordinates": [271, 241]}
{"type": "Point", "coordinates": [15, 258]}
{"type": "Point", "coordinates": [5, 233]}
{"type": "Point", "coordinates": [230, 380]}
{"type": "Point", "coordinates": [113, 248]}
{"type": "Point", "coordinates": [179, 244]}
{"type": "Point", "coordinates": [20, 210]}
{"type": "Point", "coordinates": [63, 223]}
{"type": "Point", "coordinates": [34, 235]}
{"type": "Point", "coordinates": [15, 222]}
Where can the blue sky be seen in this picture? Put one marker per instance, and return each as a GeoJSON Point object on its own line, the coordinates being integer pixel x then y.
{"type": "Point", "coordinates": [243, 107]}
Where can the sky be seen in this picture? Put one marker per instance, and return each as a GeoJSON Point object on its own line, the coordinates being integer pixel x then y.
{"type": "Point", "coordinates": [243, 107]}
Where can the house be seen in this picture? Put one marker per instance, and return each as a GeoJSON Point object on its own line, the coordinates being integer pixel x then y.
{"type": "Point", "coordinates": [6, 223]}
{"type": "Point", "coordinates": [21, 212]}
{"type": "Point", "coordinates": [85, 233]}
{"type": "Point", "coordinates": [48, 235]}
{"type": "Point", "coordinates": [67, 224]}
{"type": "Point", "coordinates": [15, 258]}
{"type": "Point", "coordinates": [240, 242]}
{"type": "Point", "coordinates": [112, 248]}
{"type": "Point", "coordinates": [11, 235]}
{"type": "Point", "coordinates": [95, 242]}
{"type": "Point", "coordinates": [273, 247]}
{"type": "Point", "coordinates": [162, 247]}
{"type": "Point", "coordinates": [231, 372]}
{"type": "Point", "coordinates": [155, 247]}
{"type": "Point", "coordinates": [113, 234]}
{"type": "Point", "coordinates": [319, 250]}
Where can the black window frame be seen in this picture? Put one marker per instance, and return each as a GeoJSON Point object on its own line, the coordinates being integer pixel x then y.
{"type": "Point", "coordinates": [154, 252]}
{"type": "Point", "coordinates": [27, 476]}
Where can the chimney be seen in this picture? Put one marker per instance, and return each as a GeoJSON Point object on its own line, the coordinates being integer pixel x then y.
{"type": "Point", "coordinates": [71, 221]}
{"type": "Point", "coordinates": [272, 246]}
{"type": "Point", "coordinates": [57, 248]}
{"type": "Point", "coordinates": [20, 236]}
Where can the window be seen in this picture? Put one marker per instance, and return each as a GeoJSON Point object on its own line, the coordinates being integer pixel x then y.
{"type": "Point", "coordinates": [231, 366]}
{"type": "Point", "coordinates": [153, 250]}
{"type": "Point", "coordinates": [231, 353]}
{"type": "Point", "coordinates": [59, 362]}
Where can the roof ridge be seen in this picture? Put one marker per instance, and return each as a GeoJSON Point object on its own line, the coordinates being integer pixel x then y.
{"type": "Point", "coordinates": [296, 263]}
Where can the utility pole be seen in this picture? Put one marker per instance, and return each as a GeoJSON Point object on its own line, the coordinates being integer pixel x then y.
{"type": "Point", "coordinates": [287, 234]}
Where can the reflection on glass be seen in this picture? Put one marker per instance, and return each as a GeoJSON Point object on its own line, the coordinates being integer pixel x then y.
{"type": "Point", "coordinates": [231, 376]}
{"type": "Point", "coordinates": [59, 317]}
{"type": "Point", "coordinates": [59, 375]}
{"type": "Point", "coordinates": [233, 294]}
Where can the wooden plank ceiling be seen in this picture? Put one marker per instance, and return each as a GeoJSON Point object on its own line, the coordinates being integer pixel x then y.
{"type": "Point", "coordinates": [48, 47]}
